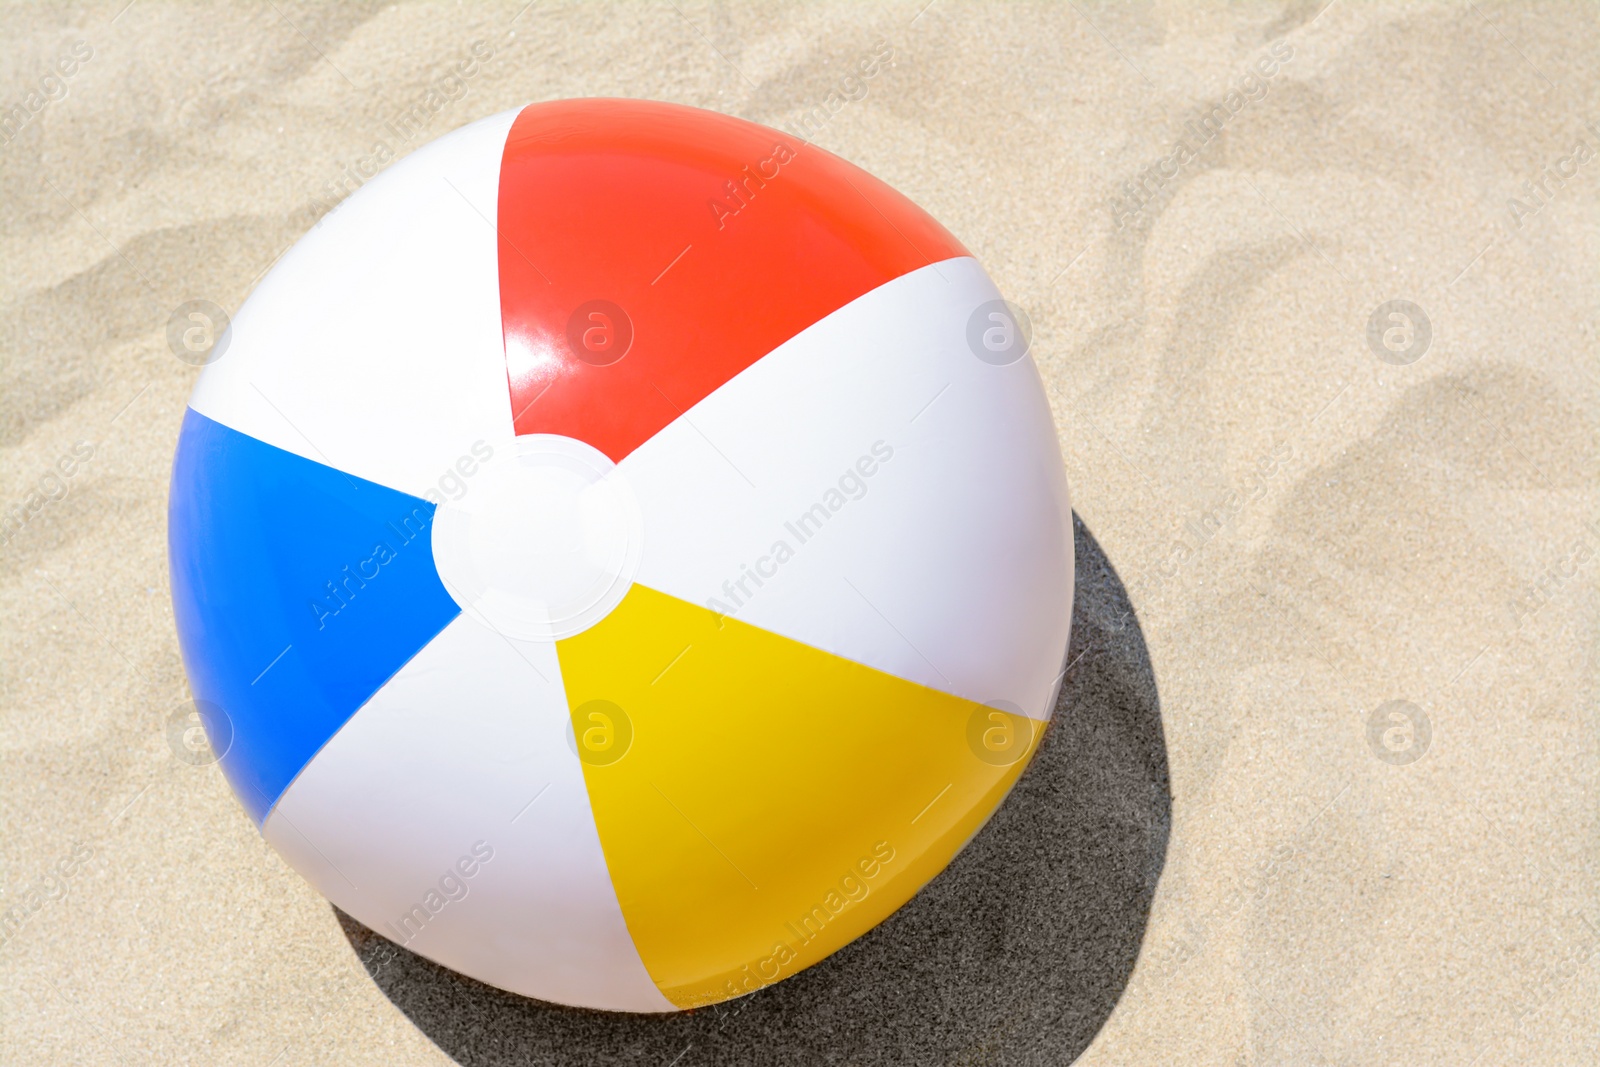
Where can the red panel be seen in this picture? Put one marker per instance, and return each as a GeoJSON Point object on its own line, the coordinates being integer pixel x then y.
{"type": "Point", "coordinates": [621, 242]}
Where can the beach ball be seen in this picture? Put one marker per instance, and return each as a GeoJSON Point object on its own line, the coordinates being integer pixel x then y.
{"type": "Point", "coordinates": [622, 553]}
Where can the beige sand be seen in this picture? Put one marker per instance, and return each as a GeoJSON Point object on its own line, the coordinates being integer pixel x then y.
{"type": "Point", "coordinates": [1389, 526]}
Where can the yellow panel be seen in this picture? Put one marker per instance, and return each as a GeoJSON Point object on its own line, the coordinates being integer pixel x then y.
{"type": "Point", "coordinates": [762, 803]}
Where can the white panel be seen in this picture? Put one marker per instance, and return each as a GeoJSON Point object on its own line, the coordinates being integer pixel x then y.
{"type": "Point", "coordinates": [952, 564]}
{"type": "Point", "coordinates": [375, 344]}
{"type": "Point", "coordinates": [450, 753]}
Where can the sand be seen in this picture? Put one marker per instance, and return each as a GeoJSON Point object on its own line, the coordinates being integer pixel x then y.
{"type": "Point", "coordinates": [1324, 787]}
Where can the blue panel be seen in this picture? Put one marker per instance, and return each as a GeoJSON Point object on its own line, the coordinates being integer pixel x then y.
{"type": "Point", "coordinates": [298, 591]}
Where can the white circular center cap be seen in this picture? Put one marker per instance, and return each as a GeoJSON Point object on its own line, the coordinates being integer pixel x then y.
{"type": "Point", "coordinates": [544, 542]}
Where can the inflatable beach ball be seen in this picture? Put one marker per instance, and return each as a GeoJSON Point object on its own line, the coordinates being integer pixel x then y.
{"type": "Point", "coordinates": [622, 553]}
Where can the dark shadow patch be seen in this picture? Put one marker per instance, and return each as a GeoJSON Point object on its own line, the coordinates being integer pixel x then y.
{"type": "Point", "coordinates": [1017, 953]}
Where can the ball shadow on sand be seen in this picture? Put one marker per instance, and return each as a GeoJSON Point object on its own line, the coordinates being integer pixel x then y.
{"type": "Point", "coordinates": [1017, 953]}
